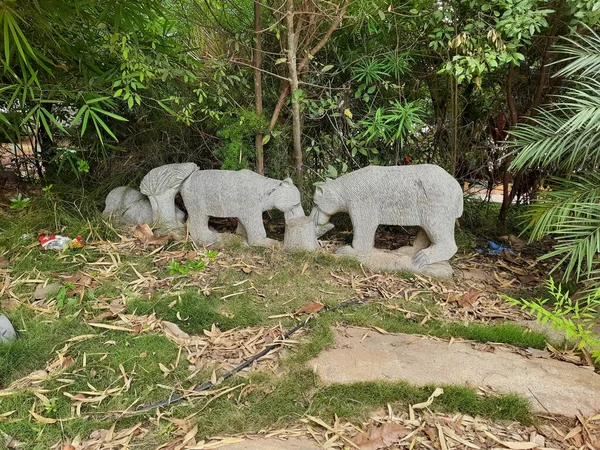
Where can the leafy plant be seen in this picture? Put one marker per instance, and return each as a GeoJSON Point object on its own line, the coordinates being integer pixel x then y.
{"type": "Point", "coordinates": [50, 407]}
{"type": "Point", "coordinates": [175, 267]}
{"type": "Point", "coordinates": [211, 254]}
{"type": "Point", "coordinates": [564, 138]}
{"type": "Point", "coordinates": [61, 297]}
{"type": "Point", "coordinates": [576, 318]}
{"type": "Point", "coordinates": [19, 202]}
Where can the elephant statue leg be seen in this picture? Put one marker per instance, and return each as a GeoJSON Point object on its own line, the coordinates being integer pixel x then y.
{"type": "Point", "coordinates": [240, 230]}
{"type": "Point", "coordinates": [421, 241]}
{"type": "Point", "coordinates": [442, 246]}
{"type": "Point", "coordinates": [363, 229]}
{"type": "Point", "coordinates": [199, 230]}
{"type": "Point", "coordinates": [255, 231]}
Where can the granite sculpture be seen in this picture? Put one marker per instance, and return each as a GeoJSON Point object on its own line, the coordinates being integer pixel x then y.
{"type": "Point", "coordinates": [300, 234]}
{"type": "Point", "coordinates": [242, 194]}
{"type": "Point", "coordinates": [422, 195]}
{"type": "Point", "coordinates": [161, 185]}
{"type": "Point", "coordinates": [128, 206]}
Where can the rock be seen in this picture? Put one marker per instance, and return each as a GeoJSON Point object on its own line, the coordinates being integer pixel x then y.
{"type": "Point", "coordinates": [399, 260]}
{"type": "Point", "coordinates": [45, 292]}
{"type": "Point", "coordinates": [7, 332]}
{"type": "Point", "coordinates": [242, 194]}
{"type": "Point", "coordinates": [550, 385]}
{"type": "Point", "coordinates": [422, 195]}
{"type": "Point", "coordinates": [161, 185]}
{"type": "Point", "coordinates": [273, 444]}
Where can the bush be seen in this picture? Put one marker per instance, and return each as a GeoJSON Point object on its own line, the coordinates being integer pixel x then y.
{"type": "Point", "coordinates": [576, 318]}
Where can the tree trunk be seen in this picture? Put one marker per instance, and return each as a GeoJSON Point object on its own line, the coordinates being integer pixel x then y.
{"type": "Point", "coordinates": [258, 139]}
{"type": "Point", "coordinates": [508, 196]}
{"type": "Point", "coordinates": [304, 63]}
{"type": "Point", "coordinates": [293, 75]}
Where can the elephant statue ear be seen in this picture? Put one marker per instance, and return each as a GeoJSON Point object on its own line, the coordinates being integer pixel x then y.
{"type": "Point", "coordinates": [288, 181]}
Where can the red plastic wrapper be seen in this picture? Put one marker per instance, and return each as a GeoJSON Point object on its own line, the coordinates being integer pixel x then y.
{"type": "Point", "coordinates": [58, 242]}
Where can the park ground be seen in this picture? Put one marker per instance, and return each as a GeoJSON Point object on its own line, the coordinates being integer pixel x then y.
{"type": "Point", "coordinates": [129, 320]}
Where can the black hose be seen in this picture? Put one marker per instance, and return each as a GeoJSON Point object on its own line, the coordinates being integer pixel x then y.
{"type": "Point", "coordinates": [209, 384]}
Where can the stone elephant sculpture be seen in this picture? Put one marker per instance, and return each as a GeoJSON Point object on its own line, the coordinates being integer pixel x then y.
{"type": "Point", "coordinates": [422, 195]}
{"type": "Point", "coordinates": [128, 206]}
{"type": "Point", "coordinates": [242, 194]}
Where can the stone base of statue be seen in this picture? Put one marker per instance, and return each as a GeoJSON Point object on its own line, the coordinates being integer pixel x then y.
{"type": "Point", "coordinates": [399, 260]}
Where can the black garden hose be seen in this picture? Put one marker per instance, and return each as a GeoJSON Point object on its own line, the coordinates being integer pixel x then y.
{"type": "Point", "coordinates": [269, 348]}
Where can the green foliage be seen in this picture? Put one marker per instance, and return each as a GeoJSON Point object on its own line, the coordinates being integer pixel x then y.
{"type": "Point", "coordinates": [564, 137]}
{"type": "Point", "coordinates": [237, 132]}
{"type": "Point", "coordinates": [175, 267]}
{"type": "Point", "coordinates": [20, 202]}
{"type": "Point", "coordinates": [74, 73]}
{"type": "Point", "coordinates": [577, 318]}
{"type": "Point", "coordinates": [491, 37]}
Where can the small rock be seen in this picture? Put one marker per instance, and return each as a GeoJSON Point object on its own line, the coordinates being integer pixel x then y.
{"type": "Point", "coordinates": [44, 292]}
{"type": "Point", "coordinates": [7, 332]}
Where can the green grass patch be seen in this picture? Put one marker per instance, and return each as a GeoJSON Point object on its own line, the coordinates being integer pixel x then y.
{"type": "Point", "coordinates": [39, 337]}
{"type": "Point", "coordinates": [376, 315]}
{"type": "Point", "coordinates": [276, 285]}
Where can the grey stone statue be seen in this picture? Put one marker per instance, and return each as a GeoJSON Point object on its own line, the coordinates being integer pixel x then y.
{"type": "Point", "coordinates": [300, 234]}
{"type": "Point", "coordinates": [242, 194]}
{"type": "Point", "coordinates": [420, 195]}
{"type": "Point", "coordinates": [161, 185]}
{"type": "Point", "coordinates": [128, 206]}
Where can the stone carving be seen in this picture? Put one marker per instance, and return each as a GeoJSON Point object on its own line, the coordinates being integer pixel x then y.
{"type": "Point", "coordinates": [161, 185]}
{"type": "Point", "coordinates": [421, 195]}
{"type": "Point", "coordinates": [300, 234]}
{"type": "Point", "coordinates": [128, 206]}
{"type": "Point", "coordinates": [242, 194]}
{"type": "Point", "coordinates": [7, 332]}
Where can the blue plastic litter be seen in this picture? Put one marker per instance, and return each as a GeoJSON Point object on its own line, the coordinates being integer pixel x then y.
{"type": "Point", "coordinates": [494, 248]}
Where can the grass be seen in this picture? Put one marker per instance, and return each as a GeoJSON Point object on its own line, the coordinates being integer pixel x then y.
{"type": "Point", "coordinates": [277, 284]}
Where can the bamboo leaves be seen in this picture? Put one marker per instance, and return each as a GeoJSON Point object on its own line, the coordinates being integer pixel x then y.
{"type": "Point", "coordinates": [92, 111]}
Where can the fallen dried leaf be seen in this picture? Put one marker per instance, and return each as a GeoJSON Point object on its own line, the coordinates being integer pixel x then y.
{"type": "Point", "coordinates": [380, 437]}
{"type": "Point", "coordinates": [468, 299]}
{"type": "Point", "coordinates": [311, 308]}
{"type": "Point", "coordinates": [174, 330]}
{"type": "Point", "coordinates": [144, 234]}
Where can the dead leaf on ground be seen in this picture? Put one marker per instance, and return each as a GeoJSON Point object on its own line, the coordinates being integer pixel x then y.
{"type": "Point", "coordinates": [79, 279]}
{"type": "Point", "coordinates": [44, 292]}
{"type": "Point", "coordinates": [536, 353]}
{"type": "Point", "coordinates": [468, 299]}
{"type": "Point", "coordinates": [484, 348]}
{"type": "Point", "coordinates": [3, 262]}
{"type": "Point", "coordinates": [380, 437]}
{"type": "Point", "coordinates": [475, 275]}
{"type": "Point", "coordinates": [515, 242]}
{"type": "Point", "coordinates": [528, 279]}
{"type": "Point", "coordinates": [174, 330]}
{"type": "Point", "coordinates": [311, 308]}
{"type": "Point", "coordinates": [144, 234]}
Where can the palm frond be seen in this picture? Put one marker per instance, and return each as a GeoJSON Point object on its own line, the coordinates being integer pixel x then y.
{"type": "Point", "coordinates": [571, 214]}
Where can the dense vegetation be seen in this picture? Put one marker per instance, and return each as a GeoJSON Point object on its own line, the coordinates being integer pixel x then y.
{"type": "Point", "coordinates": [313, 89]}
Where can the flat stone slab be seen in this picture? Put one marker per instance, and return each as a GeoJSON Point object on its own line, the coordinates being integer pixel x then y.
{"type": "Point", "coordinates": [399, 260]}
{"type": "Point", "coordinates": [550, 385]}
{"type": "Point", "coordinates": [273, 444]}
